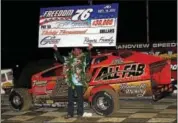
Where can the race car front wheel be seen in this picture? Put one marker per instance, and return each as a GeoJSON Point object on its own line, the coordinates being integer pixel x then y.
{"type": "Point", "coordinates": [105, 102]}
{"type": "Point", "coordinates": [20, 99]}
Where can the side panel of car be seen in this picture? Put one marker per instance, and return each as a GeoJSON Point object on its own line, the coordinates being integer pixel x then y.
{"type": "Point", "coordinates": [127, 79]}
{"type": "Point", "coordinates": [133, 89]}
{"type": "Point", "coordinates": [46, 81]}
{"type": "Point", "coordinates": [122, 73]}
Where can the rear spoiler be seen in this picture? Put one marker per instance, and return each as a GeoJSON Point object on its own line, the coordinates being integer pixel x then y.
{"type": "Point", "coordinates": [160, 69]}
{"type": "Point", "coordinates": [139, 57]}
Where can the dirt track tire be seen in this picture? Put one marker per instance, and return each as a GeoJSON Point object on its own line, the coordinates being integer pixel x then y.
{"type": "Point", "coordinates": [111, 98]}
{"type": "Point", "coordinates": [155, 98]}
{"type": "Point", "coordinates": [25, 99]}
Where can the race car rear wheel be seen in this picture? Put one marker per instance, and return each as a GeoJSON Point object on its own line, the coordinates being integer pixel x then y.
{"type": "Point", "coordinates": [20, 99]}
{"type": "Point", "coordinates": [105, 102]}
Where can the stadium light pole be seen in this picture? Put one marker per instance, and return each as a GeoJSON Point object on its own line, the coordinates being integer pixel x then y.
{"type": "Point", "coordinates": [147, 21]}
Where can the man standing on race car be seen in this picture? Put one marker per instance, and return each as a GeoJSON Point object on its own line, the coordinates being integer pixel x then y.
{"type": "Point", "coordinates": [74, 69]}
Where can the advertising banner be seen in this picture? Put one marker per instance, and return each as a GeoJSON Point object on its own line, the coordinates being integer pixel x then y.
{"type": "Point", "coordinates": [166, 50]}
{"type": "Point", "coordinates": [78, 26]}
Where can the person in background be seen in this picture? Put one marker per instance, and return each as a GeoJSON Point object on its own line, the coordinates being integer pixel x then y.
{"type": "Point", "coordinates": [74, 69]}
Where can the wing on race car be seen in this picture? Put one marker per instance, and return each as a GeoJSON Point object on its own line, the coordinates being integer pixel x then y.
{"type": "Point", "coordinates": [159, 68]}
{"type": "Point", "coordinates": [139, 57]}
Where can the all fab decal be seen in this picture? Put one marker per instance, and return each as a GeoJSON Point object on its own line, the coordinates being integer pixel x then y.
{"type": "Point", "coordinates": [126, 71]}
{"type": "Point", "coordinates": [122, 73]}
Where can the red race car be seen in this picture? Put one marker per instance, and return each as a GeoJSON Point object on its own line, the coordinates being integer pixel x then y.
{"type": "Point", "coordinates": [110, 76]}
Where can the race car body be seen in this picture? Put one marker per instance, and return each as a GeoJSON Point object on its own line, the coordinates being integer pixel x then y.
{"type": "Point", "coordinates": [166, 50]}
{"type": "Point", "coordinates": [110, 76]}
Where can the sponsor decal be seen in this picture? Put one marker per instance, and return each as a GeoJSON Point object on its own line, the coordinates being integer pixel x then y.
{"type": "Point", "coordinates": [168, 55]}
{"type": "Point", "coordinates": [107, 9]}
{"type": "Point", "coordinates": [88, 40]}
{"type": "Point", "coordinates": [49, 40]}
{"type": "Point", "coordinates": [129, 70]}
{"type": "Point", "coordinates": [174, 67]}
{"type": "Point", "coordinates": [117, 61]}
{"type": "Point", "coordinates": [40, 83]}
{"type": "Point", "coordinates": [102, 22]}
{"type": "Point", "coordinates": [107, 31]}
{"type": "Point", "coordinates": [63, 32]}
{"type": "Point", "coordinates": [58, 104]}
{"type": "Point", "coordinates": [54, 19]}
{"type": "Point", "coordinates": [58, 13]}
{"type": "Point", "coordinates": [71, 24]}
{"type": "Point", "coordinates": [79, 14]}
{"type": "Point", "coordinates": [49, 101]}
{"type": "Point", "coordinates": [80, 24]}
{"type": "Point", "coordinates": [138, 90]}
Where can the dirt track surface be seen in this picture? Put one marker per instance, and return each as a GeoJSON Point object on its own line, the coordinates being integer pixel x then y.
{"type": "Point", "coordinates": [131, 111]}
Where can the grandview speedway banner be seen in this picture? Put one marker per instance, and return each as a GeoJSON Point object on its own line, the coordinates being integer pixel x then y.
{"type": "Point", "coordinates": [78, 26]}
{"type": "Point", "coordinates": [166, 50]}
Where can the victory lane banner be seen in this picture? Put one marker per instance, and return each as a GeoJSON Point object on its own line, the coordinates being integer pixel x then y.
{"type": "Point", "coordinates": [78, 26]}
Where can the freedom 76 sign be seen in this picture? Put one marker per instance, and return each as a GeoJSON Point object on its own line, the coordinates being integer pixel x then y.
{"type": "Point", "coordinates": [78, 26]}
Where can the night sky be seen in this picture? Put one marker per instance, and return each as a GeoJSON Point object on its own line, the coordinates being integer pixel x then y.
{"type": "Point", "coordinates": [20, 26]}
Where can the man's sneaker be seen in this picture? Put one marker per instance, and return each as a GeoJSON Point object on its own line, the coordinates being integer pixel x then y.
{"type": "Point", "coordinates": [87, 114]}
{"type": "Point", "coordinates": [68, 116]}
{"type": "Point", "coordinates": [79, 116]}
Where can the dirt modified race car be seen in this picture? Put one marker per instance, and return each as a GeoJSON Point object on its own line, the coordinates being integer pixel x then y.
{"type": "Point", "coordinates": [111, 76]}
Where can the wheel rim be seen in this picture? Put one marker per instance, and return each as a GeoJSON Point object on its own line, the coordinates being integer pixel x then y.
{"type": "Point", "coordinates": [102, 103]}
{"type": "Point", "coordinates": [16, 100]}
